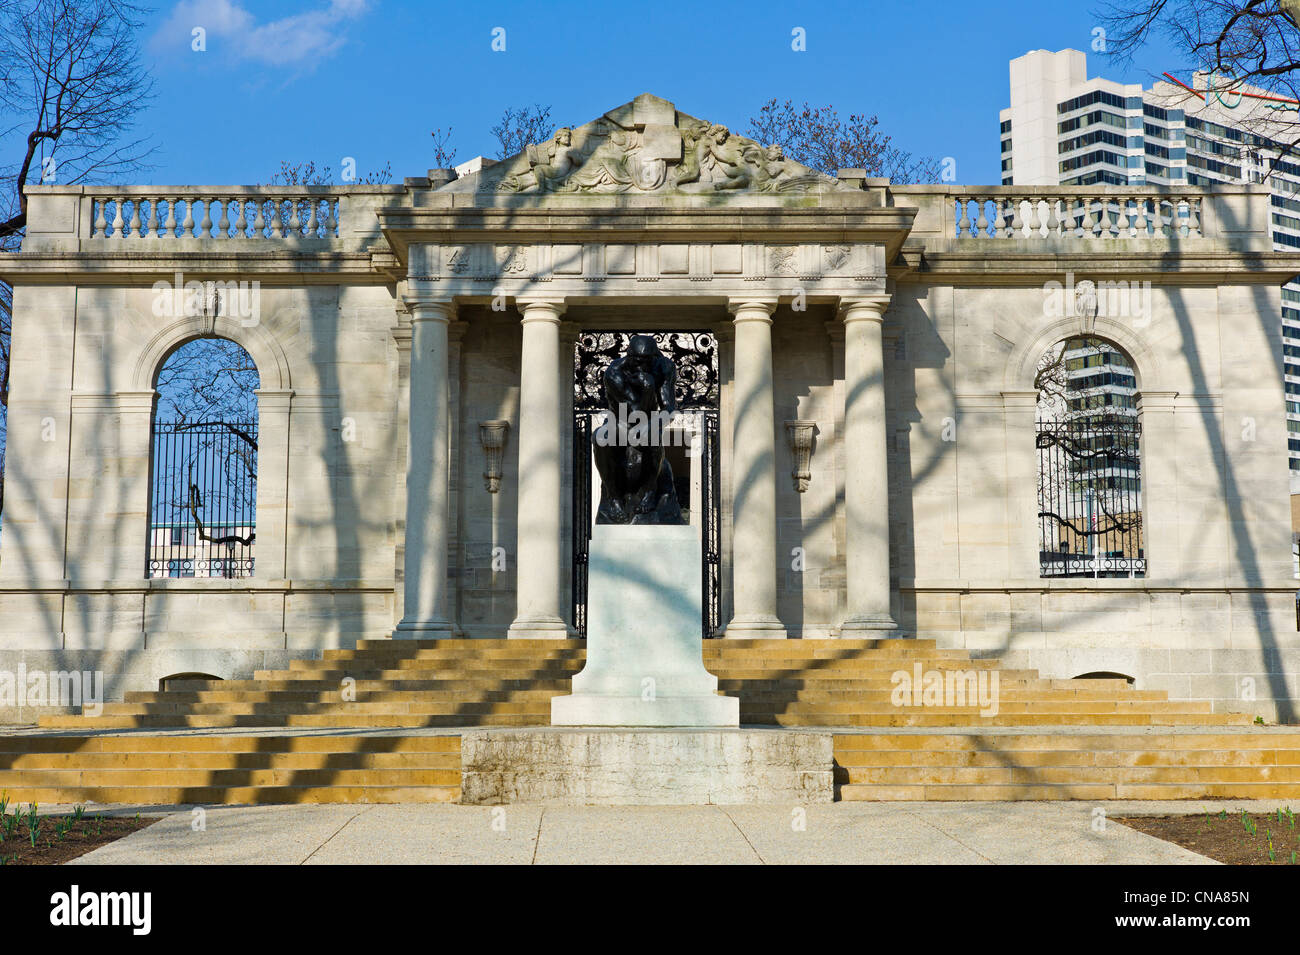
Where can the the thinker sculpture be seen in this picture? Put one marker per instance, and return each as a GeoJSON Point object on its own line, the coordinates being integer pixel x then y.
{"type": "Point", "coordinates": [636, 480]}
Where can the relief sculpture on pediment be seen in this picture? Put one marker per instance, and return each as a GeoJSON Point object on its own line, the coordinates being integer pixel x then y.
{"type": "Point", "coordinates": [647, 146]}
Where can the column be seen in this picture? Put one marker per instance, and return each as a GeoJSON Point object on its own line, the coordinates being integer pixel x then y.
{"type": "Point", "coordinates": [866, 470]}
{"type": "Point", "coordinates": [427, 472]}
{"type": "Point", "coordinates": [538, 613]}
{"type": "Point", "coordinates": [753, 475]}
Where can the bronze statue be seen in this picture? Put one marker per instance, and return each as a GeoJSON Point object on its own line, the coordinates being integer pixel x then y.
{"type": "Point", "coordinates": [636, 480]}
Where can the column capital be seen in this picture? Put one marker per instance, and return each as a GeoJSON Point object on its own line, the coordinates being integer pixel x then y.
{"type": "Point", "coordinates": [540, 309]}
{"type": "Point", "coordinates": [748, 308]}
{"type": "Point", "coordinates": [867, 308]}
{"type": "Point", "coordinates": [426, 309]}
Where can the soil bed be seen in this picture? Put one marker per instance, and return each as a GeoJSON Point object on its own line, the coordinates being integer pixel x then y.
{"type": "Point", "coordinates": [87, 833]}
{"type": "Point", "coordinates": [1225, 837]}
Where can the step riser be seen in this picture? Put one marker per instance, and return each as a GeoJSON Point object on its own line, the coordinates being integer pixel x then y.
{"type": "Point", "coordinates": [1078, 792]}
{"type": "Point", "coordinates": [163, 796]}
{"type": "Point", "coordinates": [1072, 775]}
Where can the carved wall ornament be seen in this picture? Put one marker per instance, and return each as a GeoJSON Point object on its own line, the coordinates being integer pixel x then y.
{"type": "Point", "coordinates": [647, 146]}
{"type": "Point", "coordinates": [837, 256]}
{"type": "Point", "coordinates": [800, 433]}
{"type": "Point", "coordinates": [783, 260]}
{"type": "Point", "coordinates": [492, 435]}
{"type": "Point", "coordinates": [513, 259]}
{"type": "Point", "coordinates": [458, 261]}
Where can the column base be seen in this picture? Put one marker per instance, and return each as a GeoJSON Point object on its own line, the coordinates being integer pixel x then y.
{"type": "Point", "coordinates": [423, 630]}
{"type": "Point", "coordinates": [755, 627]}
{"type": "Point", "coordinates": [866, 623]}
{"type": "Point", "coordinates": [538, 628]}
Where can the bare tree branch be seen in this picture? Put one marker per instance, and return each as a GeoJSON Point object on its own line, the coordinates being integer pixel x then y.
{"type": "Point", "coordinates": [819, 138]}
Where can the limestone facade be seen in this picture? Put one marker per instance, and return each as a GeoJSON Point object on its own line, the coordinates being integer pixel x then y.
{"type": "Point", "coordinates": [878, 350]}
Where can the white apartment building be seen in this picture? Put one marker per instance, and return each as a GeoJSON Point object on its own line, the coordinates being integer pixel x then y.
{"type": "Point", "coordinates": [1063, 128]}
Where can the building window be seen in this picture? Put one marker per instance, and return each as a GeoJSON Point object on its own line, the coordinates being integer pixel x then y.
{"type": "Point", "coordinates": [1088, 435]}
{"type": "Point", "coordinates": [203, 467]}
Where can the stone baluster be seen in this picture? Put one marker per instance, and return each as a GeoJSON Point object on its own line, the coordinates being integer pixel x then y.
{"type": "Point", "coordinates": [1122, 223]}
{"type": "Point", "coordinates": [331, 219]}
{"type": "Point", "coordinates": [1053, 217]}
{"type": "Point", "coordinates": [1035, 222]}
{"type": "Point", "coordinates": [170, 226]}
{"type": "Point", "coordinates": [1017, 223]}
{"type": "Point", "coordinates": [277, 219]}
{"type": "Point", "coordinates": [1089, 223]}
{"type": "Point", "coordinates": [981, 223]}
{"type": "Point", "coordinates": [151, 223]}
{"type": "Point", "coordinates": [223, 224]}
{"type": "Point", "coordinates": [1193, 218]}
{"type": "Point", "coordinates": [187, 226]}
{"type": "Point", "coordinates": [118, 223]}
{"type": "Point", "coordinates": [295, 223]}
{"type": "Point", "coordinates": [101, 224]}
{"type": "Point", "coordinates": [963, 222]}
{"type": "Point", "coordinates": [1140, 223]}
{"type": "Point", "coordinates": [259, 221]}
{"type": "Point", "coordinates": [999, 223]}
{"type": "Point", "coordinates": [312, 224]}
{"type": "Point", "coordinates": [241, 222]}
{"type": "Point", "coordinates": [205, 227]}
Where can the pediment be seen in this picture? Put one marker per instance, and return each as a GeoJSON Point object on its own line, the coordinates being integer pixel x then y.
{"type": "Point", "coordinates": [647, 146]}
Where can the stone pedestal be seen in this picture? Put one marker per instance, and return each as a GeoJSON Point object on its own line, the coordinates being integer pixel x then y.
{"type": "Point", "coordinates": [645, 663]}
{"type": "Point", "coordinates": [646, 767]}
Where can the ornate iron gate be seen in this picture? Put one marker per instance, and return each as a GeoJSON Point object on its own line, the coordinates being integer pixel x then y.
{"type": "Point", "coordinates": [202, 500]}
{"type": "Point", "coordinates": [1089, 499]}
{"type": "Point", "coordinates": [695, 354]}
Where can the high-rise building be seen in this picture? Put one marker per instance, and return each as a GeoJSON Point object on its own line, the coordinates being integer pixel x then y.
{"type": "Point", "coordinates": [1063, 128]}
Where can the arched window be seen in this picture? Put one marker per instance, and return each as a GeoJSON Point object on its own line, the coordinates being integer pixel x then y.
{"type": "Point", "coordinates": [1089, 466]}
{"type": "Point", "coordinates": [203, 467]}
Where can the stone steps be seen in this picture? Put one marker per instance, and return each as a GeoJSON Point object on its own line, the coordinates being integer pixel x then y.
{"type": "Point", "coordinates": [539, 703]}
{"type": "Point", "coordinates": [1067, 765]}
{"type": "Point", "coordinates": [183, 768]}
{"type": "Point", "coordinates": [865, 691]}
{"type": "Point", "coordinates": [1050, 738]}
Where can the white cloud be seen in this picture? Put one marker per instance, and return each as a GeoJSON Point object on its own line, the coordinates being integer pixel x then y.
{"type": "Point", "coordinates": [300, 39]}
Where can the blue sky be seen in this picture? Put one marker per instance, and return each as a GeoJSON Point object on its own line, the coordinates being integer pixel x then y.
{"type": "Point", "coordinates": [325, 79]}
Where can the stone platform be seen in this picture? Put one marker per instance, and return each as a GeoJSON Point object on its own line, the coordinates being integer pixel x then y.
{"type": "Point", "coordinates": [288, 736]}
{"type": "Point", "coordinates": [645, 767]}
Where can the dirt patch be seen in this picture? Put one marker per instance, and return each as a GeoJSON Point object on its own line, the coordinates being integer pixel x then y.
{"type": "Point", "coordinates": [60, 839]}
{"type": "Point", "coordinates": [1231, 838]}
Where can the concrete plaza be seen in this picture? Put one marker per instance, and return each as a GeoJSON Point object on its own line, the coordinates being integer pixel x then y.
{"type": "Point", "coordinates": [855, 833]}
